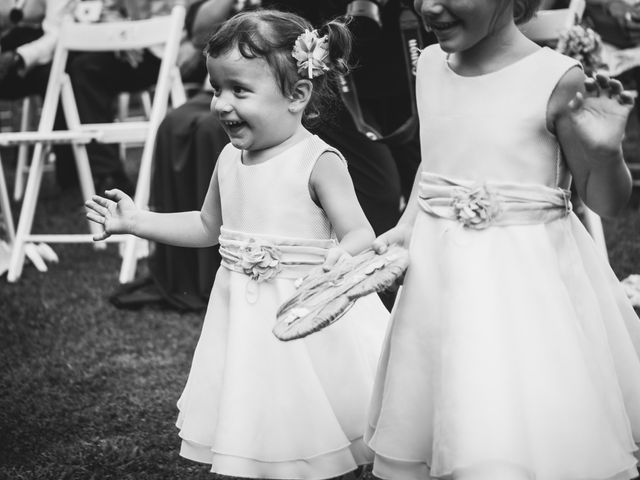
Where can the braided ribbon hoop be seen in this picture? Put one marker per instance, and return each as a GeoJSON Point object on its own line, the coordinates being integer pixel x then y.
{"type": "Point", "coordinates": [311, 53]}
{"type": "Point", "coordinates": [324, 297]}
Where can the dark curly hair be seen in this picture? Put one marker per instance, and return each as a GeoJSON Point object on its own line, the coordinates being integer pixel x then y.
{"type": "Point", "coordinates": [271, 35]}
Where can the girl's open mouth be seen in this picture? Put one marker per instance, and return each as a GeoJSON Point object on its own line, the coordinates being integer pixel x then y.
{"type": "Point", "coordinates": [233, 126]}
{"type": "Point", "coordinates": [441, 26]}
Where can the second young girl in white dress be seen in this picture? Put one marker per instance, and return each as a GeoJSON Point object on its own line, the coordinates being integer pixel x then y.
{"type": "Point", "coordinates": [513, 353]}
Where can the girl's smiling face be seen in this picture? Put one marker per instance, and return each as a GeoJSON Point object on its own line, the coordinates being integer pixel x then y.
{"type": "Point", "coordinates": [248, 101]}
{"type": "Point", "coordinates": [461, 25]}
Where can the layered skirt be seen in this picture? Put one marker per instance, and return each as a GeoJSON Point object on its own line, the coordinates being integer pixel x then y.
{"type": "Point", "coordinates": [256, 407]}
{"type": "Point", "coordinates": [512, 352]}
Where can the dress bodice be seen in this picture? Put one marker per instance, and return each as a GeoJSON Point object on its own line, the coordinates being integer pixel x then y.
{"type": "Point", "coordinates": [273, 197]}
{"type": "Point", "coordinates": [491, 127]}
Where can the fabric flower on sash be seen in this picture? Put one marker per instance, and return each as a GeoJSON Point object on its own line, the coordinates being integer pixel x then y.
{"type": "Point", "coordinates": [311, 53]}
{"type": "Point", "coordinates": [259, 262]}
{"type": "Point", "coordinates": [476, 208]}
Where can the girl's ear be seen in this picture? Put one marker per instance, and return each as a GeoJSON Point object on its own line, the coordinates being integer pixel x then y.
{"type": "Point", "coordinates": [300, 95]}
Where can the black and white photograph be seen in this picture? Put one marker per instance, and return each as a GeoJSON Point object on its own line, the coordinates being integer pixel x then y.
{"type": "Point", "coordinates": [319, 239]}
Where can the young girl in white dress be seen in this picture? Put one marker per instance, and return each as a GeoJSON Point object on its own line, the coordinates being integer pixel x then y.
{"type": "Point", "coordinates": [512, 351]}
{"type": "Point", "coordinates": [280, 202]}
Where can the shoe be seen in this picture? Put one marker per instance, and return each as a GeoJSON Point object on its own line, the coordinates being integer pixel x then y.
{"type": "Point", "coordinates": [117, 180]}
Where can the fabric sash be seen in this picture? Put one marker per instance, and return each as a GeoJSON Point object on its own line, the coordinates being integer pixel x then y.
{"type": "Point", "coordinates": [263, 257]}
{"type": "Point", "coordinates": [482, 205]}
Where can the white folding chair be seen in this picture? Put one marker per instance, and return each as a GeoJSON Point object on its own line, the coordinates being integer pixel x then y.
{"type": "Point", "coordinates": [545, 28]}
{"type": "Point", "coordinates": [115, 36]}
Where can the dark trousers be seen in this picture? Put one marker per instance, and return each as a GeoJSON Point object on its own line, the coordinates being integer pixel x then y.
{"type": "Point", "coordinates": [189, 141]}
{"type": "Point", "coordinates": [15, 87]}
{"type": "Point", "coordinates": [97, 80]}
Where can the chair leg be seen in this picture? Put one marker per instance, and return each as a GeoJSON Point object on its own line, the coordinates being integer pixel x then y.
{"type": "Point", "coordinates": [23, 150]}
{"type": "Point", "coordinates": [123, 112]}
{"type": "Point", "coordinates": [27, 213]}
{"type": "Point", "coordinates": [86, 186]}
{"type": "Point", "coordinates": [5, 207]}
{"type": "Point", "coordinates": [145, 99]}
{"type": "Point", "coordinates": [141, 199]}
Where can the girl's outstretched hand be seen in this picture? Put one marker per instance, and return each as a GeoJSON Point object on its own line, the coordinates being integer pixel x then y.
{"type": "Point", "coordinates": [114, 211]}
{"type": "Point", "coordinates": [400, 234]}
{"type": "Point", "coordinates": [599, 115]}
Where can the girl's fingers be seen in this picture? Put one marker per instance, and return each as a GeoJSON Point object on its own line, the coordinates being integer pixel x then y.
{"type": "Point", "coordinates": [626, 98]}
{"type": "Point", "coordinates": [330, 260]}
{"type": "Point", "coordinates": [116, 195]}
{"type": "Point", "coordinates": [591, 87]}
{"type": "Point", "coordinates": [98, 200]}
{"type": "Point", "coordinates": [94, 217]}
{"type": "Point", "coordinates": [333, 257]}
{"type": "Point", "coordinates": [615, 88]}
{"type": "Point", "coordinates": [576, 102]}
{"type": "Point", "coordinates": [380, 244]}
{"type": "Point", "coordinates": [100, 236]}
{"type": "Point", "coordinates": [93, 205]}
{"type": "Point", "coordinates": [602, 80]}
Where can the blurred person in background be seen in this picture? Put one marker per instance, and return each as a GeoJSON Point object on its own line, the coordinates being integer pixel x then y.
{"type": "Point", "coordinates": [29, 32]}
{"type": "Point", "coordinates": [98, 78]}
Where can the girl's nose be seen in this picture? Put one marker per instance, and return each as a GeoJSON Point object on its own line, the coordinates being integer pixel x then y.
{"type": "Point", "coordinates": [429, 8]}
{"type": "Point", "coordinates": [219, 105]}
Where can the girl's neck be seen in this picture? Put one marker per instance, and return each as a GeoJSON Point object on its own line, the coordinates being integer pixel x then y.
{"type": "Point", "coordinates": [253, 157]}
{"type": "Point", "coordinates": [501, 48]}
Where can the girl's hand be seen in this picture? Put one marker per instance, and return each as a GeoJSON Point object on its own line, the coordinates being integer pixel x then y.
{"type": "Point", "coordinates": [115, 212]}
{"type": "Point", "coordinates": [334, 256]}
{"type": "Point", "coordinates": [599, 116]}
{"type": "Point", "coordinates": [400, 234]}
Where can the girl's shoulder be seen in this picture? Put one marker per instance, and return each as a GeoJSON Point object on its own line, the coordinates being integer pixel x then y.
{"type": "Point", "coordinates": [322, 149]}
{"type": "Point", "coordinates": [551, 71]}
{"type": "Point", "coordinates": [432, 53]}
{"type": "Point", "coordinates": [571, 82]}
{"type": "Point", "coordinates": [227, 159]}
{"type": "Point", "coordinates": [228, 152]}
{"type": "Point", "coordinates": [320, 152]}
{"type": "Point", "coordinates": [550, 58]}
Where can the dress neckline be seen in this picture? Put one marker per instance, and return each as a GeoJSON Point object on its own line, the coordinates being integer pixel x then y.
{"type": "Point", "coordinates": [501, 70]}
{"type": "Point", "coordinates": [277, 155]}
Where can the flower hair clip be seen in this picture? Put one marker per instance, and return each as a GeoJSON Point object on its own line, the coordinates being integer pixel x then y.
{"type": "Point", "coordinates": [311, 53]}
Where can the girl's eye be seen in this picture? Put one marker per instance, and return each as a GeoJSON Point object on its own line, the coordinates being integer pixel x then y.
{"type": "Point", "coordinates": [239, 90]}
{"type": "Point", "coordinates": [216, 91]}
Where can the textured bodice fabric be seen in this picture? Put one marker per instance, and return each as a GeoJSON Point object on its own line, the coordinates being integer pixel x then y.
{"type": "Point", "coordinates": [273, 197]}
{"type": "Point", "coordinates": [512, 352]}
{"type": "Point", "coordinates": [254, 406]}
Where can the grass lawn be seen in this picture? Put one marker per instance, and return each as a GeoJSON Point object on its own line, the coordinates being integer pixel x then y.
{"type": "Point", "coordinates": [88, 391]}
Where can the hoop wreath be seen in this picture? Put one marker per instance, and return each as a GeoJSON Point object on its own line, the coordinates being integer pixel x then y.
{"type": "Point", "coordinates": [324, 297]}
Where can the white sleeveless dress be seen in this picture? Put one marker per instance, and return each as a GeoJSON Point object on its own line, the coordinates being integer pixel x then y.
{"type": "Point", "coordinates": [512, 351]}
{"type": "Point", "coordinates": [254, 406]}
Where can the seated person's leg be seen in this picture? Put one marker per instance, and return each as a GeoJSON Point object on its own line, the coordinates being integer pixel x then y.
{"type": "Point", "coordinates": [189, 141]}
{"type": "Point", "coordinates": [97, 79]}
{"type": "Point", "coordinates": [34, 82]}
